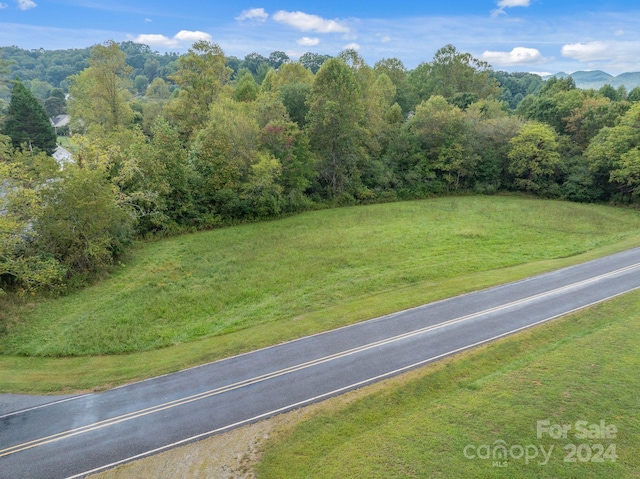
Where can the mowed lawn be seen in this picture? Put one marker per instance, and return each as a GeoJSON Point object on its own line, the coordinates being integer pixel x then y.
{"type": "Point", "coordinates": [556, 401]}
{"type": "Point", "coordinates": [194, 298]}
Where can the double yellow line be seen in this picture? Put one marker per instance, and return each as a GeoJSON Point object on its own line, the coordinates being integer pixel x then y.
{"type": "Point", "coordinates": [247, 382]}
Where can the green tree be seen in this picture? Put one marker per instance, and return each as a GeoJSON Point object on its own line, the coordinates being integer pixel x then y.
{"type": "Point", "coordinates": [221, 157]}
{"type": "Point", "coordinates": [151, 68]}
{"type": "Point", "coordinates": [533, 156]}
{"type": "Point", "coordinates": [287, 143]}
{"type": "Point", "coordinates": [555, 103]}
{"type": "Point", "coordinates": [294, 97]}
{"type": "Point", "coordinates": [153, 103]}
{"type": "Point", "coordinates": [22, 177]}
{"type": "Point", "coordinates": [313, 61]}
{"type": "Point", "coordinates": [100, 94]}
{"type": "Point", "coordinates": [202, 74]}
{"type": "Point", "coordinates": [335, 119]}
{"type": "Point", "coordinates": [393, 68]}
{"type": "Point", "coordinates": [246, 89]}
{"type": "Point", "coordinates": [611, 154]}
{"type": "Point", "coordinates": [27, 123]}
{"type": "Point", "coordinates": [173, 174]}
{"type": "Point", "coordinates": [277, 59]}
{"type": "Point", "coordinates": [82, 225]}
{"type": "Point", "coordinates": [397, 73]}
{"type": "Point", "coordinates": [627, 173]}
{"type": "Point", "coordinates": [263, 191]}
{"type": "Point", "coordinates": [291, 73]}
{"type": "Point", "coordinates": [140, 83]}
{"type": "Point", "coordinates": [292, 83]}
{"type": "Point", "coordinates": [418, 86]}
{"type": "Point", "coordinates": [453, 72]}
{"type": "Point", "coordinates": [517, 86]}
{"type": "Point", "coordinates": [253, 62]}
{"type": "Point", "coordinates": [379, 96]}
{"type": "Point", "coordinates": [607, 91]}
{"type": "Point", "coordinates": [40, 89]}
{"type": "Point", "coordinates": [158, 90]}
{"type": "Point", "coordinates": [489, 129]}
{"type": "Point", "coordinates": [584, 123]}
{"type": "Point", "coordinates": [441, 130]}
{"type": "Point", "coordinates": [54, 106]}
{"type": "Point", "coordinates": [634, 95]}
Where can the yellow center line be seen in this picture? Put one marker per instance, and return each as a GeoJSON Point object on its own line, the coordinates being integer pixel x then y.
{"type": "Point", "coordinates": [247, 382]}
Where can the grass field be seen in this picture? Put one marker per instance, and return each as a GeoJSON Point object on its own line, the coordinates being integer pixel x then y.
{"type": "Point", "coordinates": [449, 420]}
{"type": "Point", "coordinates": [67, 143]}
{"type": "Point", "coordinates": [197, 298]}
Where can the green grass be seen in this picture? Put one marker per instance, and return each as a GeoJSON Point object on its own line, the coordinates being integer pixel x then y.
{"type": "Point", "coordinates": [67, 143]}
{"type": "Point", "coordinates": [197, 298]}
{"type": "Point", "coordinates": [580, 368]}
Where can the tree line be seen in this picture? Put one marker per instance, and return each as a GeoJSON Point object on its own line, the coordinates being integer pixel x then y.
{"type": "Point", "coordinates": [211, 145]}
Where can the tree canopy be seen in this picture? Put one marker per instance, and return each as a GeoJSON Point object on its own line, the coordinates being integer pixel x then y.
{"type": "Point", "coordinates": [172, 143]}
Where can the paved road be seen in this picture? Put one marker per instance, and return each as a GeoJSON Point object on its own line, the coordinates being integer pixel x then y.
{"type": "Point", "coordinates": [76, 436]}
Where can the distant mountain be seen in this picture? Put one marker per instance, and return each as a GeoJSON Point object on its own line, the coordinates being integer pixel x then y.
{"type": "Point", "coordinates": [597, 79]}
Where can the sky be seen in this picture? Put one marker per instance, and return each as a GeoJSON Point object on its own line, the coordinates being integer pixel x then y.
{"type": "Point", "coordinates": [541, 36]}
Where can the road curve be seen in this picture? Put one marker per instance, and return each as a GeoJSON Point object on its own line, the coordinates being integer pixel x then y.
{"type": "Point", "coordinates": [85, 434]}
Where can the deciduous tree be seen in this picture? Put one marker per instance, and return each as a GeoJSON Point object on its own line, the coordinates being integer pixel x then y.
{"type": "Point", "coordinates": [82, 225]}
{"type": "Point", "coordinates": [100, 94]}
{"type": "Point", "coordinates": [202, 74]}
{"type": "Point", "coordinates": [335, 126]}
{"type": "Point", "coordinates": [533, 156]}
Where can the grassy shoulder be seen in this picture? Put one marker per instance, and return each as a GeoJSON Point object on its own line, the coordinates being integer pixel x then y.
{"type": "Point", "coordinates": [198, 298]}
{"type": "Point", "coordinates": [443, 420]}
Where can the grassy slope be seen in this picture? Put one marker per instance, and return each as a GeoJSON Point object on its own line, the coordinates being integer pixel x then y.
{"type": "Point", "coordinates": [218, 293]}
{"type": "Point", "coordinates": [580, 368]}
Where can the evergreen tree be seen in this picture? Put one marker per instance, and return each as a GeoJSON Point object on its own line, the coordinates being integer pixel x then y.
{"type": "Point", "coordinates": [27, 122]}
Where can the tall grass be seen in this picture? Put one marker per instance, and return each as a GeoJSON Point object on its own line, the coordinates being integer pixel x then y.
{"type": "Point", "coordinates": [218, 282]}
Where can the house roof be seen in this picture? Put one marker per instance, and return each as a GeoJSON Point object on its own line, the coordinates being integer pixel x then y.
{"type": "Point", "coordinates": [59, 121]}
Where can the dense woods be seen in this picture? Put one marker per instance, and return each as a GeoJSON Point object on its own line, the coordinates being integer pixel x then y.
{"type": "Point", "coordinates": [166, 143]}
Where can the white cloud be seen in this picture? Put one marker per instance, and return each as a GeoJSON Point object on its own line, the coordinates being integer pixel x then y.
{"type": "Point", "coordinates": [3, 5]}
{"type": "Point", "coordinates": [587, 52]}
{"type": "Point", "coordinates": [309, 23]}
{"type": "Point", "coordinates": [385, 39]}
{"type": "Point", "coordinates": [253, 14]}
{"type": "Point", "coordinates": [352, 46]}
{"type": "Point", "coordinates": [611, 56]}
{"type": "Point", "coordinates": [188, 36]}
{"type": "Point", "coordinates": [147, 20]}
{"type": "Point", "coordinates": [183, 36]}
{"type": "Point", "coordinates": [26, 4]}
{"type": "Point", "coordinates": [308, 42]}
{"type": "Point", "coordinates": [517, 56]}
{"type": "Point", "coordinates": [155, 40]}
{"type": "Point", "coordinates": [502, 4]}
{"type": "Point", "coordinates": [513, 3]}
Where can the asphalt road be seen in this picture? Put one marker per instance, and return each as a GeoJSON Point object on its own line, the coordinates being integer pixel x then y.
{"type": "Point", "coordinates": [85, 434]}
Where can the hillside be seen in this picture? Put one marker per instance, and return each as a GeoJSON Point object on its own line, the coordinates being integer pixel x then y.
{"type": "Point", "coordinates": [195, 298]}
{"type": "Point", "coordinates": [597, 79]}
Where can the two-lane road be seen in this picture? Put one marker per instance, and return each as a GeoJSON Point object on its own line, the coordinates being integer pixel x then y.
{"type": "Point", "coordinates": [77, 436]}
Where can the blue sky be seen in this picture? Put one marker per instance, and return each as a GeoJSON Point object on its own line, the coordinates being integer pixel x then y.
{"type": "Point", "coordinates": [545, 36]}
